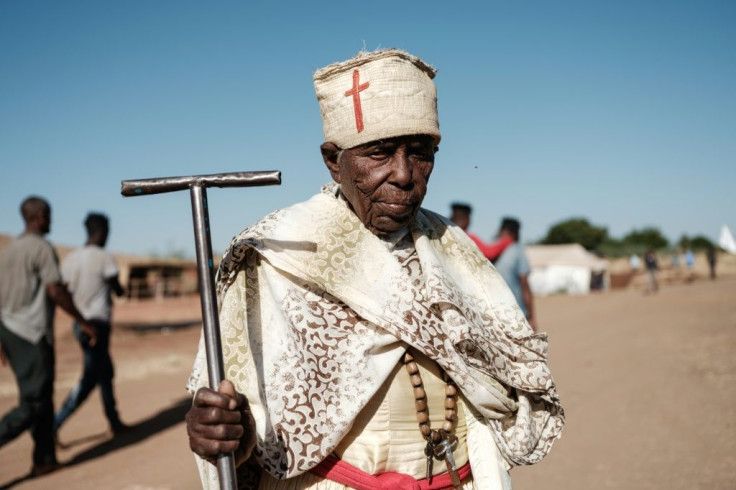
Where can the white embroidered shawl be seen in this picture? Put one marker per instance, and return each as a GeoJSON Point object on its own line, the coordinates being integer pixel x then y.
{"type": "Point", "coordinates": [330, 310]}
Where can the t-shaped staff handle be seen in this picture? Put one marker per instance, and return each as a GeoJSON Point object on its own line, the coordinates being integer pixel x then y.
{"type": "Point", "coordinates": [197, 185]}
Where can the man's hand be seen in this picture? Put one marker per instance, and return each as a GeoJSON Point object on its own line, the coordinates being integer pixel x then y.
{"type": "Point", "coordinates": [59, 294]}
{"type": "Point", "coordinates": [221, 422]}
{"type": "Point", "coordinates": [114, 284]}
{"type": "Point", "coordinates": [90, 332]}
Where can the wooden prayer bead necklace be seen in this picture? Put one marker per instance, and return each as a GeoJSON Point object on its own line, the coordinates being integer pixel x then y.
{"type": "Point", "coordinates": [440, 443]}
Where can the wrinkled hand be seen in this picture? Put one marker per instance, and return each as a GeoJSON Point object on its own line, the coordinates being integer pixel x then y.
{"type": "Point", "coordinates": [90, 332]}
{"type": "Point", "coordinates": [221, 422]}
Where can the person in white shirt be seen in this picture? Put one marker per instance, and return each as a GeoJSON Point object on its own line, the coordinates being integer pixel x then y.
{"type": "Point", "coordinates": [91, 274]}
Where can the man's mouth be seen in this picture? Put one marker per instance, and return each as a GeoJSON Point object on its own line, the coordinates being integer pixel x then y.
{"type": "Point", "coordinates": [398, 207]}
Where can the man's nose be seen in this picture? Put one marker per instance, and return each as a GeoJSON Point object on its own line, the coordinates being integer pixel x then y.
{"type": "Point", "coordinates": [401, 171]}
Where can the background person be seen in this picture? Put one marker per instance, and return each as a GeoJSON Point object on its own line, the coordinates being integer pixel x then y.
{"type": "Point", "coordinates": [650, 259]}
{"type": "Point", "coordinates": [90, 273]}
{"type": "Point", "coordinates": [690, 264]}
{"type": "Point", "coordinates": [634, 263]}
{"type": "Point", "coordinates": [675, 259]}
{"type": "Point", "coordinates": [712, 257]}
{"type": "Point", "coordinates": [513, 266]}
{"type": "Point", "coordinates": [461, 217]}
{"type": "Point", "coordinates": [30, 285]}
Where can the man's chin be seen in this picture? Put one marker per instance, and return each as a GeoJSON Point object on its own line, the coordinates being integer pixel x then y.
{"type": "Point", "coordinates": [389, 226]}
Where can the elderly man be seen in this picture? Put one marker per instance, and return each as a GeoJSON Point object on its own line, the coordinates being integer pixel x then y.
{"type": "Point", "coordinates": [367, 342]}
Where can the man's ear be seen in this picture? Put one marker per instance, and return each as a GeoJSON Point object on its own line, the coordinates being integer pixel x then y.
{"type": "Point", "coordinates": [330, 152]}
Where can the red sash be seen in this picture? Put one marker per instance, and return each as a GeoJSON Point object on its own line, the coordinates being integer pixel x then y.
{"type": "Point", "coordinates": [334, 469]}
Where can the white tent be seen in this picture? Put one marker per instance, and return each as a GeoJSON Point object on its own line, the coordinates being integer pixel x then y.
{"type": "Point", "coordinates": [563, 269]}
{"type": "Point", "coordinates": [726, 241]}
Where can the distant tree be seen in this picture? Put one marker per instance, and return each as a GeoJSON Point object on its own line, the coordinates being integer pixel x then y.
{"type": "Point", "coordinates": [576, 230]}
{"type": "Point", "coordinates": [698, 242]}
{"type": "Point", "coordinates": [646, 238]}
{"type": "Point", "coordinates": [612, 247]}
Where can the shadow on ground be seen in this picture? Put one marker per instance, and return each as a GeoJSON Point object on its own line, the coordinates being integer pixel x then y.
{"type": "Point", "coordinates": [81, 440]}
{"type": "Point", "coordinates": [138, 432]}
{"type": "Point", "coordinates": [162, 326]}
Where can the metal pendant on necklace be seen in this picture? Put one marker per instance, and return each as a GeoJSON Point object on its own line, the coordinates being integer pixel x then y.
{"type": "Point", "coordinates": [440, 444]}
{"type": "Point", "coordinates": [444, 451]}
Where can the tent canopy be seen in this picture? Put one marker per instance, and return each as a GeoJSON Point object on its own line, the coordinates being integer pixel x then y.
{"type": "Point", "coordinates": [571, 254]}
{"type": "Point", "coordinates": [563, 269]}
{"type": "Point", "coordinates": [726, 241]}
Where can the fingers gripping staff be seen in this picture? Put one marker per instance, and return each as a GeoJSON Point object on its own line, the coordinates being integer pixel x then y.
{"type": "Point", "coordinates": [197, 186]}
{"type": "Point", "coordinates": [221, 422]}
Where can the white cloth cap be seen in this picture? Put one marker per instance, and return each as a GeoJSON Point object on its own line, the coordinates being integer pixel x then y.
{"type": "Point", "coordinates": [377, 95]}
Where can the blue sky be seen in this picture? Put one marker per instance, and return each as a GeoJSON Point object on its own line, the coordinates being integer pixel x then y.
{"type": "Point", "coordinates": [621, 112]}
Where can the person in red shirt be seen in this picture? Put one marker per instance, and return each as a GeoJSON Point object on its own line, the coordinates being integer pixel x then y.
{"type": "Point", "coordinates": [461, 217]}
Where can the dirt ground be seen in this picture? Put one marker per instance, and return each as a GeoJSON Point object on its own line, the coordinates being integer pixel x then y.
{"type": "Point", "coordinates": [648, 383]}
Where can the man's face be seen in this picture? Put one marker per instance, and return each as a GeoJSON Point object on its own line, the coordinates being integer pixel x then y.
{"type": "Point", "coordinates": [385, 181]}
{"type": "Point", "coordinates": [104, 233]}
{"type": "Point", "coordinates": [44, 220]}
{"type": "Point", "coordinates": [461, 219]}
{"type": "Point", "coordinates": [503, 233]}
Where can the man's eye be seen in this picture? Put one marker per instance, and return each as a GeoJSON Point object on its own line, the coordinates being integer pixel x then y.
{"type": "Point", "coordinates": [422, 155]}
{"type": "Point", "coordinates": [378, 153]}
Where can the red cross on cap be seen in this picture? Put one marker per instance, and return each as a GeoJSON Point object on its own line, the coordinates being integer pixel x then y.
{"type": "Point", "coordinates": [355, 92]}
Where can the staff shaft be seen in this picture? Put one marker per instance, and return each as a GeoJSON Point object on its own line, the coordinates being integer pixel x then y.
{"type": "Point", "coordinates": [210, 318]}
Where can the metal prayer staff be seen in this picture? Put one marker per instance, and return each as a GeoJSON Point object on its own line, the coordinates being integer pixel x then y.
{"type": "Point", "coordinates": [197, 185]}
